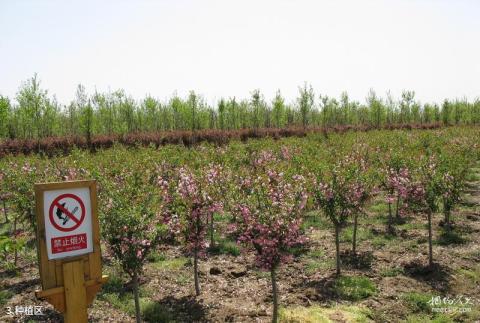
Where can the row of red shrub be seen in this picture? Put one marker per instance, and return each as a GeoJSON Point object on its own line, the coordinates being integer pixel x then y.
{"type": "Point", "coordinates": [59, 145]}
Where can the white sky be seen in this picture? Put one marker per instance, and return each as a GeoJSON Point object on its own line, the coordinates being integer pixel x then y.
{"type": "Point", "coordinates": [228, 48]}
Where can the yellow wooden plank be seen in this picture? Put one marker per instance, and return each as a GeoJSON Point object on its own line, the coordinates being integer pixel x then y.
{"type": "Point", "coordinates": [86, 268]}
{"type": "Point", "coordinates": [61, 290]}
{"type": "Point", "coordinates": [63, 185]}
{"type": "Point", "coordinates": [95, 258]}
{"type": "Point", "coordinates": [46, 267]}
{"type": "Point", "coordinates": [75, 292]}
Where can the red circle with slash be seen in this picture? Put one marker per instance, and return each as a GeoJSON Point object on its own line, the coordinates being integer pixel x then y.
{"type": "Point", "coordinates": [71, 216]}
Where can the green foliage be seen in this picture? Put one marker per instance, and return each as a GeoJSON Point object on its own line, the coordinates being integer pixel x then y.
{"type": "Point", "coordinates": [172, 264]}
{"type": "Point", "coordinates": [423, 318]}
{"type": "Point", "coordinates": [225, 247]}
{"type": "Point", "coordinates": [130, 219]}
{"type": "Point", "coordinates": [5, 296]}
{"type": "Point", "coordinates": [155, 312]}
{"type": "Point", "coordinates": [317, 314]}
{"type": "Point", "coordinates": [156, 257]}
{"type": "Point", "coordinates": [418, 302]}
{"type": "Point", "coordinates": [10, 245]}
{"type": "Point", "coordinates": [354, 288]}
{"type": "Point", "coordinates": [450, 237]}
{"type": "Point", "coordinates": [363, 234]}
{"type": "Point", "coordinates": [392, 272]}
{"type": "Point", "coordinates": [38, 115]}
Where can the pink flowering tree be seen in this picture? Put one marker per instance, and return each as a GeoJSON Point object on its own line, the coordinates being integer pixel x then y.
{"type": "Point", "coordinates": [216, 184]}
{"type": "Point", "coordinates": [341, 194]}
{"type": "Point", "coordinates": [131, 219]}
{"type": "Point", "coordinates": [424, 195]}
{"type": "Point", "coordinates": [397, 183]}
{"type": "Point", "coordinates": [453, 171]}
{"type": "Point", "coordinates": [196, 206]}
{"type": "Point", "coordinates": [17, 181]}
{"type": "Point", "coordinates": [268, 219]}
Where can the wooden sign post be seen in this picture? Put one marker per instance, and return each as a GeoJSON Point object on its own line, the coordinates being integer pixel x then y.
{"type": "Point", "coordinates": [68, 246]}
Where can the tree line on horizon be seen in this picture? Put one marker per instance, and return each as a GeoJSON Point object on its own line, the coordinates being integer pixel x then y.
{"type": "Point", "coordinates": [34, 114]}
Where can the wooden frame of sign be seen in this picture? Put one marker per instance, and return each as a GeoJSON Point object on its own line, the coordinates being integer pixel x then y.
{"type": "Point", "coordinates": [69, 284]}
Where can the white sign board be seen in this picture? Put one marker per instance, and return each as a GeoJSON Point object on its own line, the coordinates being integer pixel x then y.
{"type": "Point", "coordinates": [68, 222]}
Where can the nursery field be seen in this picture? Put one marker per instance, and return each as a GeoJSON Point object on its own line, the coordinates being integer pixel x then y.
{"type": "Point", "coordinates": [375, 226]}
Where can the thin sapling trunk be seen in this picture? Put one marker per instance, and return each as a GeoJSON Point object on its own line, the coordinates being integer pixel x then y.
{"type": "Point", "coordinates": [354, 242]}
{"type": "Point", "coordinates": [15, 236]}
{"type": "Point", "coordinates": [273, 275]}
{"type": "Point", "coordinates": [136, 297]}
{"type": "Point", "coordinates": [212, 241]}
{"type": "Point", "coordinates": [195, 272]}
{"type": "Point", "coordinates": [337, 247]}
{"type": "Point", "coordinates": [430, 252]}
{"type": "Point", "coordinates": [397, 213]}
{"type": "Point", "coordinates": [5, 210]}
{"type": "Point", "coordinates": [448, 224]}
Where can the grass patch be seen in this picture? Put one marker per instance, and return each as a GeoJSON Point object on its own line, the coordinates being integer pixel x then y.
{"type": "Point", "coordinates": [155, 312]}
{"type": "Point", "coordinates": [381, 241]}
{"type": "Point", "coordinates": [183, 279]}
{"type": "Point", "coordinates": [225, 247]}
{"type": "Point", "coordinates": [412, 226]}
{"type": "Point", "coordinates": [423, 318]}
{"type": "Point", "coordinates": [362, 234]}
{"type": "Point", "coordinates": [379, 207]}
{"type": "Point", "coordinates": [418, 302]}
{"type": "Point", "coordinates": [313, 266]}
{"type": "Point", "coordinates": [113, 285]}
{"type": "Point", "coordinates": [172, 264]}
{"type": "Point", "coordinates": [450, 237]}
{"type": "Point", "coordinates": [5, 296]}
{"type": "Point", "coordinates": [123, 301]}
{"type": "Point", "coordinates": [471, 275]}
{"type": "Point", "coordinates": [261, 273]}
{"type": "Point", "coordinates": [320, 314]}
{"type": "Point", "coordinates": [354, 288]}
{"type": "Point", "coordinates": [472, 177]}
{"type": "Point", "coordinates": [156, 257]}
{"type": "Point", "coordinates": [316, 221]}
{"type": "Point", "coordinates": [315, 253]}
{"type": "Point", "coordinates": [113, 292]}
{"type": "Point", "coordinates": [391, 272]}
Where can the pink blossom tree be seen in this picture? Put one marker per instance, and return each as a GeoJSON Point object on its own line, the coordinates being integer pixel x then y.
{"type": "Point", "coordinates": [341, 193]}
{"type": "Point", "coordinates": [397, 183]}
{"type": "Point", "coordinates": [196, 206]}
{"type": "Point", "coordinates": [131, 221]}
{"type": "Point", "coordinates": [269, 218]}
{"type": "Point", "coordinates": [424, 195]}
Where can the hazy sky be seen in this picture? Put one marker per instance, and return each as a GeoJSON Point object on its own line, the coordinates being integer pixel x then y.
{"type": "Point", "coordinates": [228, 48]}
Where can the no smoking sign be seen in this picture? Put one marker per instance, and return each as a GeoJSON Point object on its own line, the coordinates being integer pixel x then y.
{"type": "Point", "coordinates": [68, 222]}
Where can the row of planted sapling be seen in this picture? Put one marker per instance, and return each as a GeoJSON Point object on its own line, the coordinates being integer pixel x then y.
{"type": "Point", "coordinates": [265, 205]}
{"type": "Point", "coordinates": [259, 197]}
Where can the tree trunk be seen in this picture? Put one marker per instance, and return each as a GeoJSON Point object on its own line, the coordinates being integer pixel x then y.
{"type": "Point", "coordinates": [448, 225]}
{"type": "Point", "coordinates": [430, 253]}
{"type": "Point", "coordinates": [355, 225]}
{"type": "Point", "coordinates": [136, 297]}
{"type": "Point", "coordinates": [390, 219]}
{"type": "Point", "coordinates": [337, 247]}
{"type": "Point", "coordinates": [15, 237]}
{"type": "Point", "coordinates": [397, 213]}
{"type": "Point", "coordinates": [274, 295]}
{"type": "Point", "coordinates": [195, 272]}
{"type": "Point", "coordinates": [5, 210]}
{"type": "Point", "coordinates": [211, 231]}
